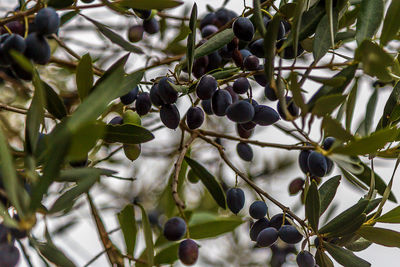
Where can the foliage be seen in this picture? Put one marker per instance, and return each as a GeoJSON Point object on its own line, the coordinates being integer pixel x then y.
{"type": "Point", "coordinates": [68, 110]}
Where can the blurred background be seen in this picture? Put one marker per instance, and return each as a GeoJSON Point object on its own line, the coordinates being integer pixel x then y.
{"type": "Point", "coordinates": [272, 169]}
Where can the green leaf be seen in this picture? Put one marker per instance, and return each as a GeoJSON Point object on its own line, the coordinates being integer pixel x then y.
{"type": "Point", "coordinates": [269, 47]}
{"type": "Point", "coordinates": [35, 116]}
{"type": "Point", "coordinates": [369, 144]}
{"type": "Point", "coordinates": [327, 192]}
{"type": "Point", "coordinates": [114, 37]}
{"type": "Point", "coordinates": [153, 4]}
{"type": "Point", "coordinates": [350, 227]}
{"type": "Point", "coordinates": [258, 17]}
{"type": "Point", "coordinates": [392, 216]}
{"type": "Point", "coordinates": [369, 18]}
{"type": "Point", "coordinates": [351, 102]}
{"type": "Point", "coordinates": [53, 254]}
{"type": "Point", "coordinates": [95, 104]}
{"type": "Point", "coordinates": [391, 23]}
{"type": "Point", "coordinates": [344, 256]}
{"type": "Point", "coordinates": [381, 236]}
{"type": "Point", "coordinates": [296, 92]}
{"type": "Point", "coordinates": [375, 60]}
{"type": "Point", "coordinates": [191, 41]}
{"type": "Point", "coordinates": [84, 76]}
{"type": "Point", "coordinates": [322, 259]}
{"type": "Point", "coordinates": [130, 81]}
{"type": "Point", "coordinates": [224, 73]}
{"type": "Point", "coordinates": [308, 25]}
{"type": "Point", "coordinates": [84, 139]}
{"type": "Point", "coordinates": [78, 174]}
{"type": "Point", "coordinates": [380, 185]}
{"type": "Point", "coordinates": [372, 205]}
{"type": "Point", "coordinates": [298, 15]}
{"type": "Point", "coordinates": [148, 236]}
{"type": "Point", "coordinates": [214, 43]}
{"type": "Point", "coordinates": [370, 112]}
{"type": "Point", "coordinates": [53, 103]}
{"type": "Point", "coordinates": [127, 134]}
{"type": "Point", "coordinates": [65, 18]}
{"type": "Point", "coordinates": [167, 255]}
{"type": "Point", "coordinates": [322, 40]}
{"type": "Point", "coordinates": [312, 206]}
{"type": "Point", "coordinates": [327, 104]}
{"type": "Point", "coordinates": [67, 199]}
{"type": "Point", "coordinates": [127, 222]}
{"type": "Point", "coordinates": [335, 81]}
{"type": "Point", "coordinates": [58, 146]}
{"type": "Point", "coordinates": [209, 181]}
{"type": "Point", "coordinates": [391, 104]}
{"type": "Point", "coordinates": [117, 65]}
{"type": "Point", "coordinates": [345, 217]}
{"type": "Point", "coordinates": [359, 245]}
{"type": "Point", "coordinates": [11, 184]}
{"type": "Point", "coordinates": [349, 164]}
{"type": "Point", "coordinates": [209, 227]}
{"type": "Point", "coordinates": [333, 128]}
{"type": "Point", "coordinates": [347, 73]}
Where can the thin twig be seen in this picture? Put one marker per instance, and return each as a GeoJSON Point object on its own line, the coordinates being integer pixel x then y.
{"type": "Point", "coordinates": [178, 164]}
{"type": "Point", "coordinates": [246, 179]}
{"type": "Point", "coordinates": [113, 254]}
{"type": "Point", "coordinates": [20, 110]}
{"type": "Point", "coordinates": [255, 142]}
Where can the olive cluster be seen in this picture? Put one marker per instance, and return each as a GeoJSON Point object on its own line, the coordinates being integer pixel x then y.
{"type": "Point", "coordinates": [174, 230]}
{"type": "Point", "coordinates": [150, 25]}
{"type": "Point", "coordinates": [265, 232]}
{"type": "Point", "coordinates": [9, 254]}
{"type": "Point", "coordinates": [234, 101]}
{"type": "Point", "coordinates": [34, 47]}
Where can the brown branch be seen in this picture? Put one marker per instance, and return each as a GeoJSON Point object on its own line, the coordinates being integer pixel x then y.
{"type": "Point", "coordinates": [245, 178]}
{"type": "Point", "coordinates": [73, 65]}
{"type": "Point", "coordinates": [178, 164]}
{"type": "Point", "coordinates": [20, 110]}
{"type": "Point", "coordinates": [63, 45]}
{"type": "Point", "coordinates": [20, 15]}
{"type": "Point", "coordinates": [255, 142]}
{"type": "Point", "coordinates": [114, 256]}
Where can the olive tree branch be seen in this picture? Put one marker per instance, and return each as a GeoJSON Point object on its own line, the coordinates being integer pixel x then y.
{"type": "Point", "coordinates": [113, 254]}
{"type": "Point", "coordinates": [255, 142]}
{"type": "Point", "coordinates": [245, 178]}
{"type": "Point", "coordinates": [20, 110]}
{"type": "Point", "coordinates": [178, 165]}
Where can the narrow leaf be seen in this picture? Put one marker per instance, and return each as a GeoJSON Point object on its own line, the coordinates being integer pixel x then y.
{"type": "Point", "coordinates": [327, 104]}
{"type": "Point", "coordinates": [322, 41]}
{"type": "Point", "coordinates": [345, 257]}
{"type": "Point", "coordinates": [351, 102]}
{"type": "Point", "coordinates": [392, 216]}
{"type": "Point", "coordinates": [312, 206]}
{"type": "Point", "coordinates": [191, 41]}
{"type": "Point", "coordinates": [127, 222]}
{"type": "Point", "coordinates": [114, 37]}
{"type": "Point", "coordinates": [381, 236]}
{"type": "Point", "coordinates": [148, 236]}
{"type": "Point", "coordinates": [127, 134]}
{"type": "Point", "coordinates": [369, 18]}
{"type": "Point", "coordinates": [327, 192]}
{"type": "Point", "coordinates": [345, 217]}
{"type": "Point", "coordinates": [53, 103]}
{"type": "Point", "coordinates": [391, 23]}
{"type": "Point", "coordinates": [209, 182]}
{"type": "Point", "coordinates": [84, 76]}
